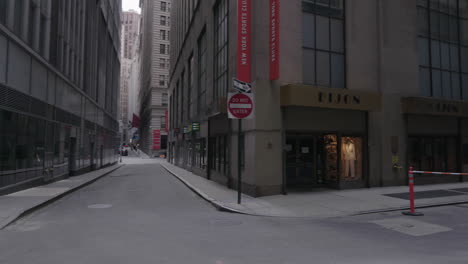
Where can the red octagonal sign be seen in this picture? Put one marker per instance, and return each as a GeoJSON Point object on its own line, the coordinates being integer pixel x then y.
{"type": "Point", "coordinates": [240, 106]}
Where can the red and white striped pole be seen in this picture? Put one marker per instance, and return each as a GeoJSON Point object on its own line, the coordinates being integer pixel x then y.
{"type": "Point", "coordinates": [412, 211]}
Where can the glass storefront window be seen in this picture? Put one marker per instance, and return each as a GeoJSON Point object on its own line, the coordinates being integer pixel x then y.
{"type": "Point", "coordinates": [436, 153]}
{"type": "Point", "coordinates": [331, 158]}
{"type": "Point", "coordinates": [351, 158]}
{"type": "Point", "coordinates": [7, 140]}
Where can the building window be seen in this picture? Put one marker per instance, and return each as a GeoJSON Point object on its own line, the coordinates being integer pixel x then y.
{"type": "Point", "coordinates": [163, 122]}
{"type": "Point", "coordinates": [163, 20]}
{"type": "Point", "coordinates": [162, 80]}
{"type": "Point", "coordinates": [202, 66]}
{"type": "Point", "coordinates": [218, 152]}
{"type": "Point", "coordinates": [200, 154]}
{"type": "Point", "coordinates": [3, 11]}
{"type": "Point", "coordinates": [162, 63]}
{"type": "Point", "coordinates": [192, 92]}
{"type": "Point", "coordinates": [164, 99]}
{"type": "Point", "coordinates": [162, 48]}
{"type": "Point", "coordinates": [443, 48]}
{"type": "Point", "coordinates": [18, 16]}
{"type": "Point", "coordinates": [184, 90]}
{"type": "Point", "coordinates": [221, 50]}
{"type": "Point", "coordinates": [177, 104]}
{"type": "Point", "coordinates": [163, 34]}
{"type": "Point", "coordinates": [323, 43]}
{"type": "Point", "coordinates": [163, 6]}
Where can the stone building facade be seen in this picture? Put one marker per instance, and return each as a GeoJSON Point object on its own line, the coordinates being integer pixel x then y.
{"type": "Point", "coordinates": [366, 89]}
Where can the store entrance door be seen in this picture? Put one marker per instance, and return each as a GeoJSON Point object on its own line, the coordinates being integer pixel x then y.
{"type": "Point", "coordinates": [305, 161]}
{"type": "Point", "coordinates": [310, 161]}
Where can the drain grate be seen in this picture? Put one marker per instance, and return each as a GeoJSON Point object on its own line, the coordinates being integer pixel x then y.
{"type": "Point", "coordinates": [425, 194]}
{"type": "Point", "coordinates": [99, 206]}
{"type": "Point", "coordinates": [120, 176]}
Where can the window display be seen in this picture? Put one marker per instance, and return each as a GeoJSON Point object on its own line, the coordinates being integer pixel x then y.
{"type": "Point", "coordinates": [331, 162]}
{"type": "Point", "coordinates": [351, 158]}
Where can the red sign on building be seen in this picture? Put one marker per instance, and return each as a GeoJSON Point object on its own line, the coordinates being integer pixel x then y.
{"type": "Point", "coordinates": [244, 62]}
{"type": "Point", "coordinates": [240, 106]}
{"type": "Point", "coordinates": [156, 139]}
{"type": "Point", "coordinates": [274, 39]}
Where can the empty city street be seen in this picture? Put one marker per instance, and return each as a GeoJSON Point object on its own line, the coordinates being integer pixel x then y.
{"type": "Point", "coordinates": [142, 214]}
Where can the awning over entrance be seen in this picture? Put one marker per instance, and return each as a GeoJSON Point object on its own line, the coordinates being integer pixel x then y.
{"type": "Point", "coordinates": [431, 106]}
{"type": "Point", "coordinates": [313, 96]}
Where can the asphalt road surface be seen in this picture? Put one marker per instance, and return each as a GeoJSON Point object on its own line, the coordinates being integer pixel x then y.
{"type": "Point", "coordinates": [142, 214]}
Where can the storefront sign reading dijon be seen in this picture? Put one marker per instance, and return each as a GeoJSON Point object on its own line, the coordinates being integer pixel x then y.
{"type": "Point", "coordinates": [430, 106]}
{"type": "Point", "coordinates": [304, 95]}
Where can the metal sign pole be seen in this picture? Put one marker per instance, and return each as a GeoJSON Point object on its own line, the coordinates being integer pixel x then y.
{"type": "Point", "coordinates": [239, 156]}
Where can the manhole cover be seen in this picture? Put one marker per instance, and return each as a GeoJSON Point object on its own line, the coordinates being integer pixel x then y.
{"type": "Point", "coordinates": [100, 206]}
{"type": "Point", "coordinates": [225, 222]}
{"type": "Point", "coordinates": [118, 176]}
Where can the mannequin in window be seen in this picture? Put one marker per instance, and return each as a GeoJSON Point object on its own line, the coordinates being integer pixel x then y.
{"type": "Point", "coordinates": [349, 151]}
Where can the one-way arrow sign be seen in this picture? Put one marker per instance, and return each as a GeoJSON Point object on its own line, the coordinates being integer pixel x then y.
{"type": "Point", "coordinates": [242, 86]}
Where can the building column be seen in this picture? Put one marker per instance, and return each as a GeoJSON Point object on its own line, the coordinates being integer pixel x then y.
{"type": "Point", "coordinates": [36, 16]}
{"type": "Point", "coordinates": [10, 20]}
{"type": "Point", "coordinates": [48, 14]}
{"type": "Point", "coordinates": [387, 139]}
{"type": "Point", "coordinates": [26, 17]}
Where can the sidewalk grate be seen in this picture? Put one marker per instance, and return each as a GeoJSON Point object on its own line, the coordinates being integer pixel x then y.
{"type": "Point", "coordinates": [463, 190]}
{"type": "Point", "coordinates": [425, 194]}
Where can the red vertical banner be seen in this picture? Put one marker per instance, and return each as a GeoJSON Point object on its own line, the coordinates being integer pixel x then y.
{"type": "Point", "coordinates": [274, 39]}
{"type": "Point", "coordinates": [156, 139]}
{"type": "Point", "coordinates": [244, 62]}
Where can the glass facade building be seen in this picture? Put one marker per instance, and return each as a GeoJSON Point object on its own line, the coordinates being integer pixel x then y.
{"type": "Point", "coordinates": [59, 80]}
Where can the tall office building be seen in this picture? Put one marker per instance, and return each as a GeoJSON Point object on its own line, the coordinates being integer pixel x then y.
{"type": "Point", "coordinates": [59, 85]}
{"type": "Point", "coordinates": [130, 34]}
{"type": "Point", "coordinates": [154, 74]}
{"type": "Point", "coordinates": [366, 89]}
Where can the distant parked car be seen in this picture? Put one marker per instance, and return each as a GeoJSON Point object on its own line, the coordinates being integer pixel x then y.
{"type": "Point", "coordinates": [124, 150]}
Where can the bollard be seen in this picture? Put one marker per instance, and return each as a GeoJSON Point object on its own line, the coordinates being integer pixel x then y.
{"type": "Point", "coordinates": [412, 211]}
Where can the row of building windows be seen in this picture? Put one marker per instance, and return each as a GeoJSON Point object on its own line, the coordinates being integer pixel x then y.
{"type": "Point", "coordinates": [323, 43]}
{"type": "Point", "coordinates": [34, 33]}
{"type": "Point", "coordinates": [187, 103]}
{"type": "Point", "coordinates": [443, 48]}
{"type": "Point", "coordinates": [185, 12]}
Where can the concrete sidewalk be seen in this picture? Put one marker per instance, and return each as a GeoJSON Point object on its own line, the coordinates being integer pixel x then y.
{"type": "Point", "coordinates": [16, 205]}
{"type": "Point", "coordinates": [323, 203]}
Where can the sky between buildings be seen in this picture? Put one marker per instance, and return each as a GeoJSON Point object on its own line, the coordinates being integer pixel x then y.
{"type": "Point", "coordinates": [131, 4]}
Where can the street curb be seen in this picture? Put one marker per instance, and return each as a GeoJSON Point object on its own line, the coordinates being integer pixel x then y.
{"type": "Point", "coordinates": [40, 205]}
{"type": "Point", "coordinates": [216, 204]}
{"type": "Point", "coordinates": [407, 208]}
{"type": "Point", "coordinates": [221, 207]}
